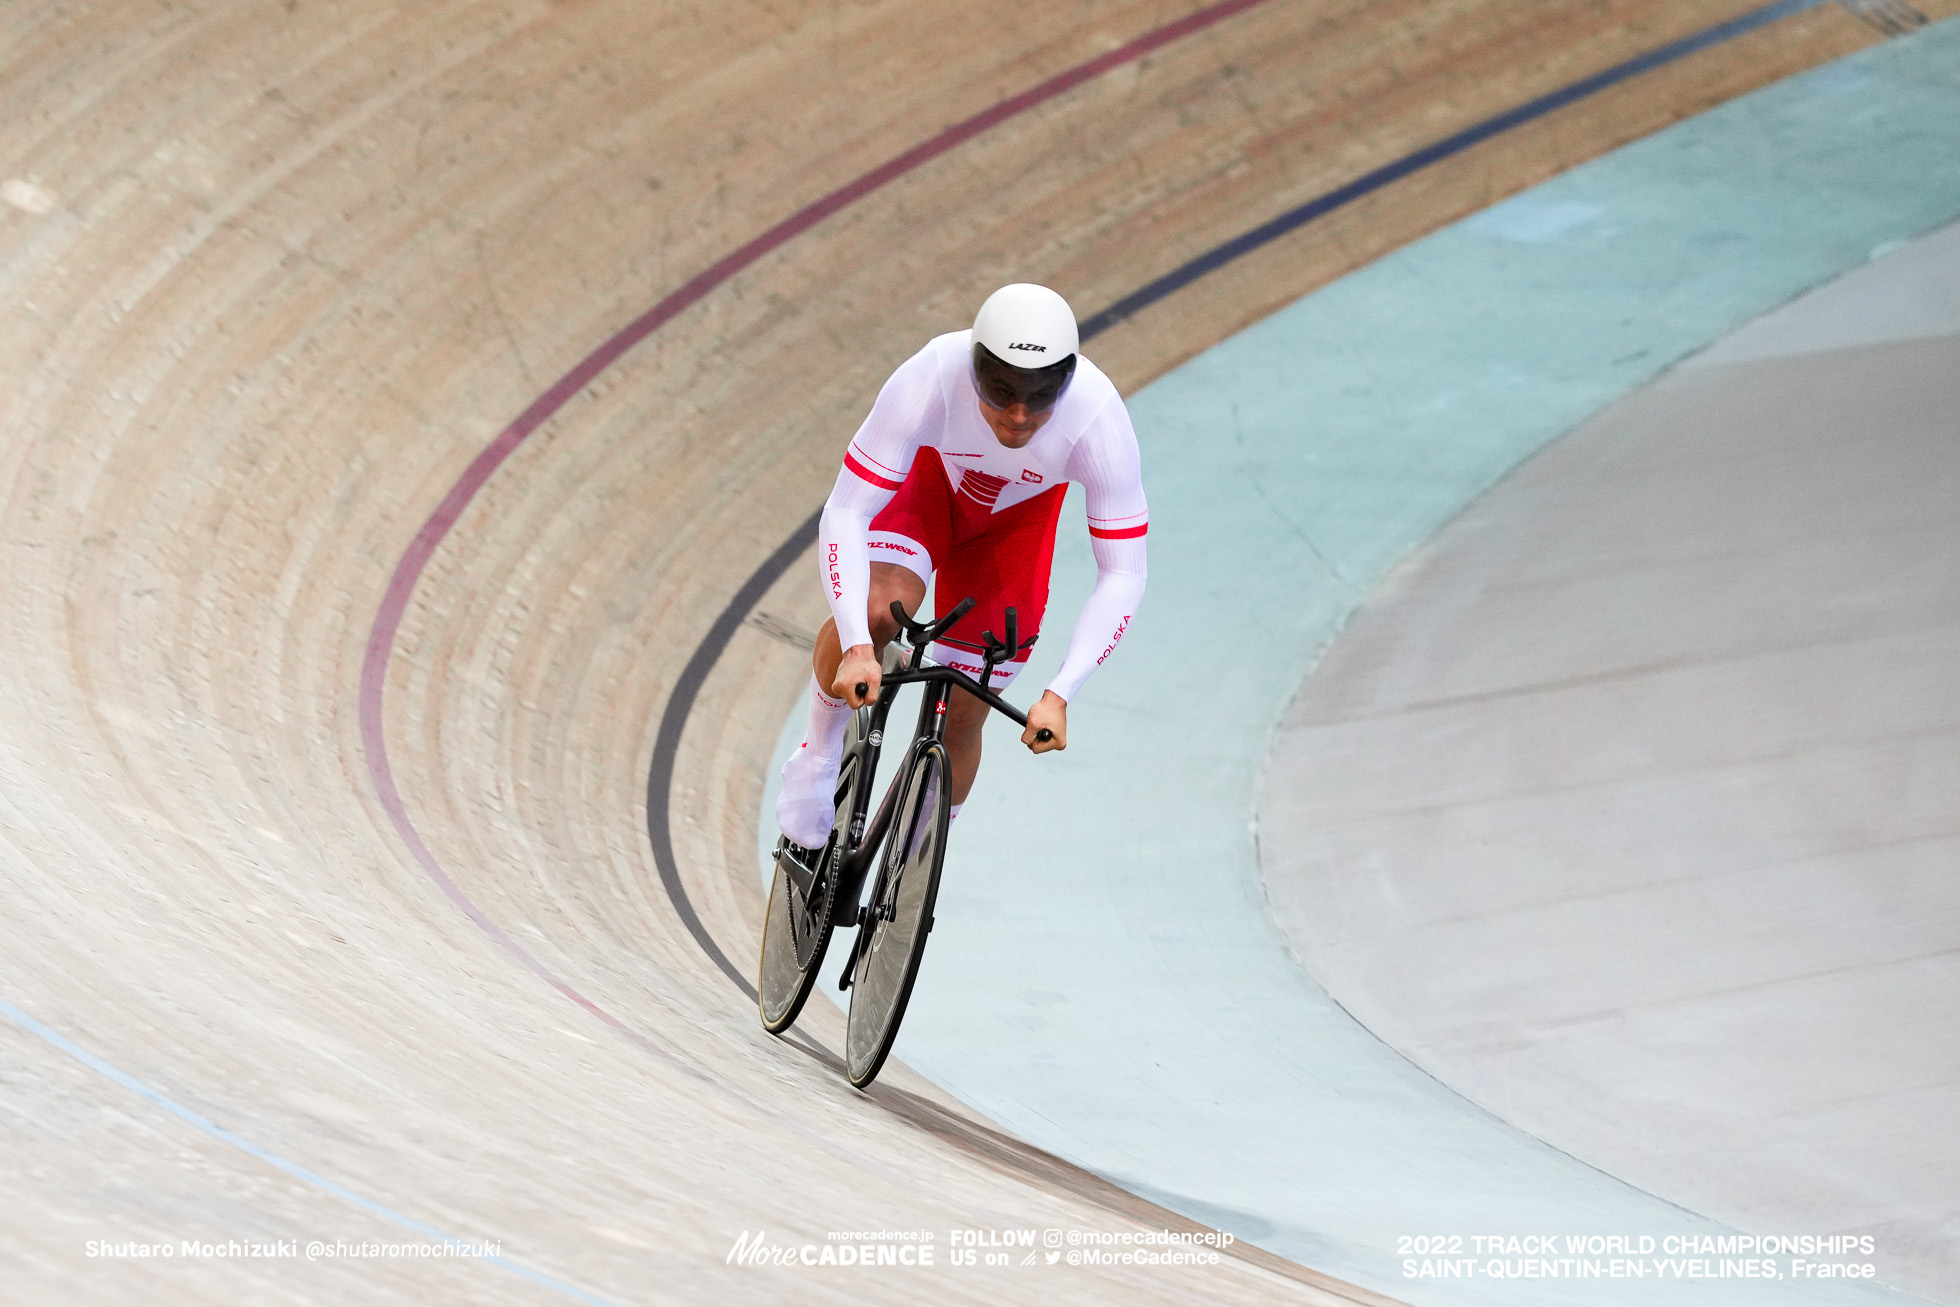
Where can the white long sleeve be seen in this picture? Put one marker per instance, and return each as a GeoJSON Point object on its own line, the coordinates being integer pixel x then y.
{"type": "Point", "coordinates": [844, 557]}
{"type": "Point", "coordinates": [1106, 614]}
{"type": "Point", "coordinates": [1109, 469]}
{"type": "Point", "coordinates": [909, 407]}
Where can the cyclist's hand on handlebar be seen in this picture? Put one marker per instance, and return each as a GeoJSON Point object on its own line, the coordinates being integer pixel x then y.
{"type": "Point", "coordinates": [859, 668]}
{"type": "Point", "coordinates": [1050, 715]}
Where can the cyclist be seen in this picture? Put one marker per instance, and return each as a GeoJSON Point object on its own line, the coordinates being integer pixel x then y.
{"type": "Point", "coordinates": [960, 470]}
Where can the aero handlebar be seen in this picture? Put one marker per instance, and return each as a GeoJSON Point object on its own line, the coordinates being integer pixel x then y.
{"type": "Point", "coordinates": [920, 634]}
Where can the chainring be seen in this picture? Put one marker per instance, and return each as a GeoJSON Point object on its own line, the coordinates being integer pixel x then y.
{"type": "Point", "coordinates": [810, 918]}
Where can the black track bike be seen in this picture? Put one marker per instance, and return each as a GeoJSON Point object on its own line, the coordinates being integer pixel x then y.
{"type": "Point", "coordinates": [906, 840]}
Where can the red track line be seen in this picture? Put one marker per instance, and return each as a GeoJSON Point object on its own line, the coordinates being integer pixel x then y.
{"type": "Point", "coordinates": [408, 571]}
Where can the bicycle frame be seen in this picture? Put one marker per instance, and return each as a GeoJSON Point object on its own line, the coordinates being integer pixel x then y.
{"type": "Point", "coordinates": [930, 729]}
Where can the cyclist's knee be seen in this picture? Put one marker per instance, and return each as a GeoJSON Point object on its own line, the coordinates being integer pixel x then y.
{"type": "Point", "coordinates": [966, 716]}
{"type": "Point", "coordinates": [891, 582]}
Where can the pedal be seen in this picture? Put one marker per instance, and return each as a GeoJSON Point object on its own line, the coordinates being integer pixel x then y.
{"type": "Point", "coordinates": [800, 872]}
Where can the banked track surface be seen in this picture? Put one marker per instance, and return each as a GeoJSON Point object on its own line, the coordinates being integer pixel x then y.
{"type": "Point", "coordinates": [274, 278]}
{"type": "Point", "coordinates": [1176, 1046]}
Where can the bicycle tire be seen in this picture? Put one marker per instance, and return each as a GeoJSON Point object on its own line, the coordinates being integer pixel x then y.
{"type": "Point", "coordinates": [899, 916]}
{"type": "Point", "coordinates": [792, 957]}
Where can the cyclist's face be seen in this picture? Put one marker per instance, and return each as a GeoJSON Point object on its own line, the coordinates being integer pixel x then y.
{"type": "Point", "coordinates": [1013, 426]}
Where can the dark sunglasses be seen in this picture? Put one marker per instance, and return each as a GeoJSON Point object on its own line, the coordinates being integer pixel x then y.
{"type": "Point", "coordinates": [1002, 385]}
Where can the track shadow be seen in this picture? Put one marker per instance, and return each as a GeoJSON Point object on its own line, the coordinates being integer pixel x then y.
{"type": "Point", "coordinates": [1014, 1157]}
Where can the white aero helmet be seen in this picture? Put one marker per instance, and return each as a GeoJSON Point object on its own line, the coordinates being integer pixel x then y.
{"type": "Point", "coordinates": [1024, 348]}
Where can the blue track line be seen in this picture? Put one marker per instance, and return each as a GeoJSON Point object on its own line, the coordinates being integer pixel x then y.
{"type": "Point", "coordinates": [313, 1179]}
{"type": "Point", "coordinates": [708, 653]}
{"type": "Point", "coordinates": [1267, 232]}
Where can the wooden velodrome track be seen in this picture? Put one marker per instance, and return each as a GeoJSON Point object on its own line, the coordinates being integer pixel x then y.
{"type": "Point", "coordinates": [273, 276]}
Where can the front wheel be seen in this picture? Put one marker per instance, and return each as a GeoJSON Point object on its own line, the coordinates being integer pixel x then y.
{"type": "Point", "coordinates": [895, 922]}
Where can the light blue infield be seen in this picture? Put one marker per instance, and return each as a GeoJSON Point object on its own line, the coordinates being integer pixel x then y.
{"type": "Point", "coordinates": [1104, 979]}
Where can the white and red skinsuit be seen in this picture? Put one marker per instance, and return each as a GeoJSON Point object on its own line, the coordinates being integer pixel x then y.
{"type": "Point", "coordinates": [930, 403]}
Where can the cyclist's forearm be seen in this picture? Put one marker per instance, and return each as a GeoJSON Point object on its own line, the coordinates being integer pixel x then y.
{"type": "Point", "coordinates": [844, 561]}
{"type": "Point", "coordinates": [1100, 628]}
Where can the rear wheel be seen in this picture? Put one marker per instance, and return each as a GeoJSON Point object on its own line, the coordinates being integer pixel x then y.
{"type": "Point", "coordinates": [796, 925]}
{"type": "Point", "coordinates": [893, 927]}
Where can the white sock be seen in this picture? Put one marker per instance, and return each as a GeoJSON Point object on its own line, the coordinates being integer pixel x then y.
{"type": "Point", "coordinates": [828, 718]}
{"type": "Point", "coordinates": [954, 809]}
{"type": "Point", "coordinates": [807, 805]}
